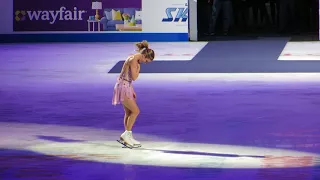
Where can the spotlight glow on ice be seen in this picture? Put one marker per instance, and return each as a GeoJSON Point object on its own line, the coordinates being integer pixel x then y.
{"type": "Point", "coordinates": [81, 143]}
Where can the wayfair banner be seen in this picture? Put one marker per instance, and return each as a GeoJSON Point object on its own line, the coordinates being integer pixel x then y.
{"type": "Point", "coordinates": [103, 15]}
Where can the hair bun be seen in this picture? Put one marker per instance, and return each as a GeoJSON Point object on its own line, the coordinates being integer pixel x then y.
{"type": "Point", "coordinates": [143, 44]}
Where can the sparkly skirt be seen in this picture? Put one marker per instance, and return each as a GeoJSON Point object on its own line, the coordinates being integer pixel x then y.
{"type": "Point", "coordinates": [122, 89]}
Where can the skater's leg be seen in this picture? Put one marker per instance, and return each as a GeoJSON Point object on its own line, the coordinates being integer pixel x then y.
{"type": "Point", "coordinates": [127, 113]}
{"type": "Point", "coordinates": [132, 106]}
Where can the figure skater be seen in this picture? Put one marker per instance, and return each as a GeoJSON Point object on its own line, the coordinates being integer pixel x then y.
{"type": "Point", "coordinates": [124, 92]}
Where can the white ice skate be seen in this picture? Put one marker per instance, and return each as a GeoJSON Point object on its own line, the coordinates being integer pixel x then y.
{"type": "Point", "coordinates": [135, 142]}
{"type": "Point", "coordinates": [126, 140]}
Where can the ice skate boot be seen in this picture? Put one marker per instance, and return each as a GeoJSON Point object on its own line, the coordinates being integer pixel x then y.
{"type": "Point", "coordinates": [126, 140]}
{"type": "Point", "coordinates": [135, 142]}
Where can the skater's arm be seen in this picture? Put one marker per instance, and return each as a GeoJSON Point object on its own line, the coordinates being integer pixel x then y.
{"type": "Point", "coordinates": [135, 69]}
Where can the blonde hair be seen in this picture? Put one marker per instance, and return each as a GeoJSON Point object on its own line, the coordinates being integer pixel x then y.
{"type": "Point", "coordinates": [143, 48]}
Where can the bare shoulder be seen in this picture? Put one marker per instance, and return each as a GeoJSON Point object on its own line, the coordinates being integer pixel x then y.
{"type": "Point", "coordinates": [129, 59]}
{"type": "Point", "coordinates": [132, 60]}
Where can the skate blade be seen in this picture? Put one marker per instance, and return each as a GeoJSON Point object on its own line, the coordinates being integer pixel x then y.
{"type": "Point", "coordinates": [125, 144]}
{"type": "Point", "coordinates": [137, 145]}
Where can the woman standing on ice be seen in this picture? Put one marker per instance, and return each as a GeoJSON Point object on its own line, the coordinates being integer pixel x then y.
{"type": "Point", "coordinates": [124, 93]}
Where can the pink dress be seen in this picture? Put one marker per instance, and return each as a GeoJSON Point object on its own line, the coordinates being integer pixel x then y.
{"type": "Point", "coordinates": [123, 87]}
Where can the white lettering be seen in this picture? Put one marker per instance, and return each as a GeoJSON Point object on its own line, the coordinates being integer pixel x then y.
{"type": "Point", "coordinates": [52, 16]}
{"type": "Point", "coordinates": [45, 16]}
{"type": "Point", "coordinates": [68, 16]}
{"type": "Point", "coordinates": [61, 13]}
{"type": "Point", "coordinates": [80, 15]}
{"type": "Point", "coordinates": [75, 13]}
{"type": "Point", "coordinates": [34, 15]}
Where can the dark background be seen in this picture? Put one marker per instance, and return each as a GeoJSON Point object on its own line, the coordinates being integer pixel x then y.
{"type": "Point", "coordinates": [249, 19]}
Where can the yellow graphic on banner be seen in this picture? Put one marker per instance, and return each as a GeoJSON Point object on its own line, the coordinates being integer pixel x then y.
{"type": "Point", "coordinates": [20, 15]}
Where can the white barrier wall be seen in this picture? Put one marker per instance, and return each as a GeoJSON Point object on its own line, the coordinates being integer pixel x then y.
{"type": "Point", "coordinates": [193, 20]}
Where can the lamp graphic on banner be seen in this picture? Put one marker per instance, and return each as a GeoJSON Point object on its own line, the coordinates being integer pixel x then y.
{"type": "Point", "coordinates": [96, 6]}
